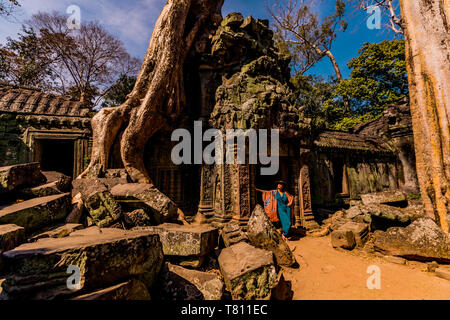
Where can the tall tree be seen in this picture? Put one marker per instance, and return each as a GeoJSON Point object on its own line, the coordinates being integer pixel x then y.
{"type": "Point", "coordinates": [378, 78]}
{"type": "Point", "coordinates": [428, 63]}
{"type": "Point", "coordinates": [87, 61]}
{"type": "Point", "coordinates": [308, 39]}
{"type": "Point", "coordinates": [25, 61]}
{"type": "Point", "coordinates": [158, 95]}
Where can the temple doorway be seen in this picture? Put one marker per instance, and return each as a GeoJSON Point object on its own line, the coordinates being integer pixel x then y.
{"type": "Point", "coordinates": [56, 155]}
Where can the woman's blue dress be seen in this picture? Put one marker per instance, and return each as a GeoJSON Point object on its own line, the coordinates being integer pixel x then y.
{"type": "Point", "coordinates": [284, 212]}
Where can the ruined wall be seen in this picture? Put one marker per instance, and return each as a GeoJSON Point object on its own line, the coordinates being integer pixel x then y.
{"type": "Point", "coordinates": [21, 135]}
{"type": "Point", "coordinates": [13, 150]}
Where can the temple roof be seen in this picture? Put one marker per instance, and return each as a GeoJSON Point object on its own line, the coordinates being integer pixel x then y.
{"type": "Point", "coordinates": [26, 100]}
{"type": "Point", "coordinates": [350, 141]}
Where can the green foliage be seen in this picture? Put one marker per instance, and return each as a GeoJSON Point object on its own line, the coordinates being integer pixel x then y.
{"type": "Point", "coordinates": [117, 94]}
{"type": "Point", "coordinates": [378, 78]}
{"type": "Point", "coordinates": [311, 93]}
{"type": "Point", "coordinates": [26, 61]}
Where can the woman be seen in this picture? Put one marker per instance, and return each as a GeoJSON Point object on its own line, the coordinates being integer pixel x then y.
{"type": "Point", "coordinates": [278, 206]}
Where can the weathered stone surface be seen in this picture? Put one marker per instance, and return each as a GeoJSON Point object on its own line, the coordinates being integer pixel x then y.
{"type": "Point", "coordinates": [353, 212]}
{"type": "Point", "coordinates": [37, 213]}
{"type": "Point", "coordinates": [264, 235]}
{"type": "Point", "coordinates": [256, 93]}
{"type": "Point", "coordinates": [343, 239]}
{"type": "Point", "coordinates": [232, 234]}
{"type": "Point", "coordinates": [105, 256]}
{"type": "Point", "coordinates": [60, 232]}
{"type": "Point", "coordinates": [87, 186]}
{"type": "Point", "coordinates": [77, 210]}
{"type": "Point", "coordinates": [63, 183]}
{"type": "Point", "coordinates": [10, 237]}
{"type": "Point", "coordinates": [137, 218]}
{"type": "Point", "coordinates": [162, 206]}
{"type": "Point", "coordinates": [384, 216]}
{"type": "Point", "coordinates": [178, 283]}
{"type": "Point", "coordinates": [186, 245]}
{"type": "Point", "coordinates": [20, 175]}
{"type": "Point", "coordinates": [393, 198]}
{"type": "Point", "coordinates": [44, 190]}
{"type": "Point", "coordinates": [130, 290]}
{"type": "Point", "coordinates": [421, 240]}
{"type": "Point", "coordinates": [360, 231]}
{"type": "Point", "coordinates": [104, 210]}
{"type": "Point", "coordinates": [249, 272]}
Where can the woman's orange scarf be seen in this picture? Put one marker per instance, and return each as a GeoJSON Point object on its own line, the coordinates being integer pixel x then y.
{"type": "Point", "coordinates": [270, 205]}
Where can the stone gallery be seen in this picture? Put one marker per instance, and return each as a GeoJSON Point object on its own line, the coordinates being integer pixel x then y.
{"type": "Point", "coordinates": [98, 191]}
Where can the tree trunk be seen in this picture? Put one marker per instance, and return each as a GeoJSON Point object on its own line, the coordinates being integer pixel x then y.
{"type": "Point", "coordinates": [428, 62]}
{"type": "Point", "coordinates": [336, 68]}
{"type": "Point", "coordinates": [158, 96]}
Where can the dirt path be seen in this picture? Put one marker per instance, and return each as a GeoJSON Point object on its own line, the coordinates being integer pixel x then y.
{"type": "Point", "coordinates": [326, 273]}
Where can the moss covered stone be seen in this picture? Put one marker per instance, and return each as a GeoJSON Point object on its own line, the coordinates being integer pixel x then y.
{"type": "Point", "coordinates": [249, 273]}
{"type": "Point", "coordinates": [104, 256]}
{"type": "Point", "coordinates": [37, 213]}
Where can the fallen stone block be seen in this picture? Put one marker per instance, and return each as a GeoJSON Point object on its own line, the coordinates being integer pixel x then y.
{"type": "Point", "coordinates": [249, 272]}
{"type": "Point", "coordinates": [178, 283]}
{"type": "Point", "coordinates": [60, 232]}
{"type": "Point", "coordinates": [384, 216]}
{"type": "Point", "coordinates": [353, 212]}
{"type": "Point", "coordinates": [137, 218]}
{"type": "Point", "coordinates": [19, 176]}
{"type": "Point", "coordinates": [162, 206]}
{"type": "Point", "coordinates": [104, 210]}
{"type": "Point", "coordinates": [186, 245]}
{"type": "Point", "coordinates": [232, 234]}
{"type": "Point", "coordinates": [392, 198]}
{"type": "Point", "coordinates": [77, 210]}
{"type": "Point", "coordinates": [87, 186]}
{"type": "Point", "coordinates": [360, 231]}
{"type": "Point", "coordinates": [343, 239]}
{"type": "Point", "coordinates": [130, 290]}
{"type": "Point", "coordinates": [264, 235]}
{"type": "Point", "coordinates": [104, 257]}
{"type": "Point", "coordinates": [44, 190]}
{"type": "Point", "coordinates": [37, 213]}
{"type": "Point", "coordinates": [11, 236]}
{"type": "Point", "coordinates": [443, 273]}
{"type": "Point", "coordinates": [63, 183]}
{"type": "Point", "coordinates": [421, 240]}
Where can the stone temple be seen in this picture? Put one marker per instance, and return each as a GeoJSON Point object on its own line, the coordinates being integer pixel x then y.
{"type": "Point", "coordinates": [201, 231]}
{"type": "Point", "coordinates": [236, 80]}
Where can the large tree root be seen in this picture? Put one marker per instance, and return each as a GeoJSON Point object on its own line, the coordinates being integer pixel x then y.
{"type": "Point", "coordinates": [158, 95]}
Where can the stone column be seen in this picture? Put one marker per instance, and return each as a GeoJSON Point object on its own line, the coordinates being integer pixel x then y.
{"type": "Point", "coordinates": [306, 214]}
{"type": "Point", "coordinates": [206, 207]}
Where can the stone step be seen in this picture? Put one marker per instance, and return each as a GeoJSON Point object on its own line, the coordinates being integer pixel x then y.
{"type": "Point", "coordinates": [186, 245]}
{"type": "Point", "coordinates": [103, 257]}
{"type": "Point", "coordinates": [20, 175]}
{"type": "Point", "coordinates": [37, 213]}
{"type": "Point", "coordinates": [178, 283]}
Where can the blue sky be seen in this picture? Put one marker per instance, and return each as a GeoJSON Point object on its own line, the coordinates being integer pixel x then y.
{"type": "Point", "coordinates": [132, 21]}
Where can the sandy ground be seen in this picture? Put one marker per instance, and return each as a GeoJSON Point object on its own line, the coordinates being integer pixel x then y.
{"type": "Point", "coordinates": [327, 274]}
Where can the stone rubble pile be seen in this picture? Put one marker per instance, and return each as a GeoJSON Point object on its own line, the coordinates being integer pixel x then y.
{"type": "Point", "coordinates": [395, 226]}
{"type": "Point", "coordinates": [126, 242]}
